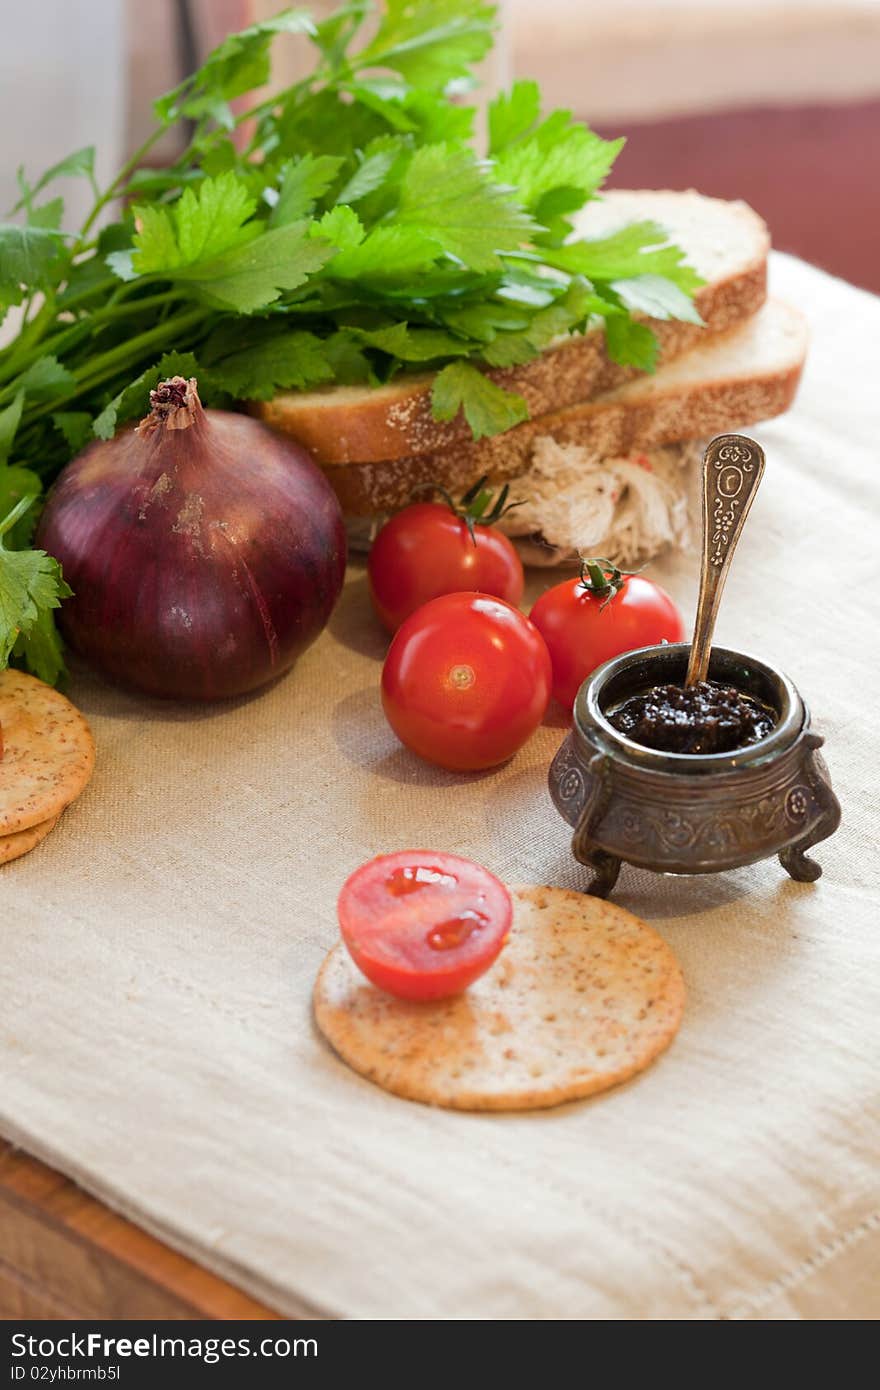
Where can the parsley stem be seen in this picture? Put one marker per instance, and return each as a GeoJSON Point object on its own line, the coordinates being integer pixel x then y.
{"type": "Point", "coordinates": [152, 301]}
{"type": "Point", "coordinates": [116, 187]}
{"type": "Point", "coordinates": [9, 378]}
{"type": "Point", "coordinates": [97, 368]}
{"type": "Point", "coordinates": [22, 505]}
{"type": "Point", "coordinates": [108, 364]}
{"type": "Point", "coordinates": [29, 335]}
{"type": "Point", "coordinates": [72, 333]}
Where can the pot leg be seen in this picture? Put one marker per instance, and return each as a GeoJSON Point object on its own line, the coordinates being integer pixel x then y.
{"type": "Point", "coordinates": [794, 860]}
{"type": "Point", "coordinates": [606, 866]}
{"type": "Point", "coordinates": [800, 866]}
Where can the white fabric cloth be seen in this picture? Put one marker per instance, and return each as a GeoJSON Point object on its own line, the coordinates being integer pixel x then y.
{"type": "Point", "coordinates": [156, 1040]}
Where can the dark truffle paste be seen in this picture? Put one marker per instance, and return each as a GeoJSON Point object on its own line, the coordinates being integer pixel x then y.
{"type": "Point", "coordinates": [702, 718]}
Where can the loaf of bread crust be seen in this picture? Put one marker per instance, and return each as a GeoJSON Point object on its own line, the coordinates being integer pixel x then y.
{"type": "Point", "coordinates": [751, 373]}
{"type": "Point", "coordinates": [726, 242]}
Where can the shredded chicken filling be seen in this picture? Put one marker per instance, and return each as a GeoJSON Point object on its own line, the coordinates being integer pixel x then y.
{"type": "Point", "coordinates": [627, 509]}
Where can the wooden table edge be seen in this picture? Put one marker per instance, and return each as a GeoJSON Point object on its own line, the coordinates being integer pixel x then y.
{"type": "Point", "coordinates": [64, 1254]}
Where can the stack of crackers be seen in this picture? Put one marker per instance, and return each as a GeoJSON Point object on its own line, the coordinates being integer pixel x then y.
{"type": "Point", "coordinates": [47, 758]}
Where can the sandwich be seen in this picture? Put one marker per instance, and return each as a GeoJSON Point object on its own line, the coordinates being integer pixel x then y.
{"type": "Point", "coordinates": [422, 294]}
{"type": "Point", "coordinates": [601, 464]}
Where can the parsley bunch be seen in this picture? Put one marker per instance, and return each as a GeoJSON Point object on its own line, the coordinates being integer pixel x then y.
{"type": "Point", "coordinates": [341, 230]}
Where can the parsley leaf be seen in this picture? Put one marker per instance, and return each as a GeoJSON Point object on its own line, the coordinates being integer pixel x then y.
{"type": "Point", "coordinates": [207, 240]}
{"type": "Point", "coordinates": [559, 154]}
{"type": "Point", "coordinates": [31, 585]}
{"type": "Point", "coordinates": [630, 343]}
{"type": "Point", "coordinates": [389, 98]}
{"type": "Point", "coordinates": [656, 296]}
{"type": "Point", "coordinates": [568, 312]}
{"type": "Point", "coordinates": [453, 200]}
{"type": "Point", "coordinates": [487, 408]}
{"type": "Point", "coordinates": [75, 426]}
{"type": "Point", "coordinates": [48, 215]}
{"type": "Point", "coordinates": [238, 64]}
{"type": "Point", "coordinates": [80, 164]}
{"type": "Point", "coordinates": [387, 253]}
{"type": "Point", "coordinates": [322, 124]}
{"type": "Point", "coordinates": [481, 322]}
{"type": "Point", "coordinates": [198, 227]}
{"type": "Point", "coordinates": [282, 361]}
{"type": "Point", "coordinates": [15, 484]}
{"type": "Point", "coordinates": [341, 226]}
{"type": "Point", "coordinates": [379, 158]}
{"type": "Point", "coordinates": [415, 344]}
{"type": "Point", "coordinates": [39, 648]}
{"type": "Point", "coordinates": [45, 378]}
{"type": "Point", "coordinates": [347, 360]}
{"type": "Point", "coordinates": [27, 257]}
{"type": "Point", "coordinates": [643, 248]}
{"type": "Point", "coordinates": [303, 182]}
{"type": "Point", "coordinates": [254, 275]}
{"type": "Point", "coordinates": [334, 34]}
{"type": "Point", "coordinates": [513, 114]}
{"type": "Point", "coordinates": [430, 42]}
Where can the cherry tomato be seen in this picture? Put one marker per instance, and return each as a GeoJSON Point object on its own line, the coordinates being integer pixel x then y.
{"type": "Point", "coordinates": [466, 681]}
{"type": "Point", "coordinates": [604, 613]}
{"type": "Point", "coordinates": [422, 924]}
{"type": "Point", "coordinates": [429, 549]}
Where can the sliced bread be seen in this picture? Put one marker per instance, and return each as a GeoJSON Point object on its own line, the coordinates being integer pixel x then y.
{"type": "Point", "coordinates": [748, 374]}
{"type": "Point", "coordinates": [727, 243]}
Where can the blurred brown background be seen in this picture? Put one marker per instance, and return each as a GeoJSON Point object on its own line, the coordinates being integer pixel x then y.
{"type": "Point", "coordinates": [777, 102]}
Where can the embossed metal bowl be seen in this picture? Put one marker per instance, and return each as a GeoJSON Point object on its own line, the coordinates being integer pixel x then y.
{"type": "Point", "coordinates": [683, 813]}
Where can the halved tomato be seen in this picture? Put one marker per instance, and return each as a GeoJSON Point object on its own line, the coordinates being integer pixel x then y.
{"type": "Point", "coordinates": [422, 924]}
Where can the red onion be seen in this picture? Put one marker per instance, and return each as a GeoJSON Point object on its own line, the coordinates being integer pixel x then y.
{"type": "Point", "coordinates": [205, 552]}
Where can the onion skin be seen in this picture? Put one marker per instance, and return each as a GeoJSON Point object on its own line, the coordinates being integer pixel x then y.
{"type": "Point", "coordinates": [205, 552]}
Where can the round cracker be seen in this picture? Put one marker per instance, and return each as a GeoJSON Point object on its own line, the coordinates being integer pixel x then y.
{"type": "Point", "coordinates": [583, 995]}
{"type": "Point", "coordinates": [21, 841]}
{"type": "Point", "coordinates": [48, 752]}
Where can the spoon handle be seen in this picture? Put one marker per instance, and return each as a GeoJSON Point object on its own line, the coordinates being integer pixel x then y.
{"type": "Point", "coordinates": [732, 469]}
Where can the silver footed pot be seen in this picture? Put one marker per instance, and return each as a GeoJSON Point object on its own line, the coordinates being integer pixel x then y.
{"type": "Point", "coordinates": [684, 813]}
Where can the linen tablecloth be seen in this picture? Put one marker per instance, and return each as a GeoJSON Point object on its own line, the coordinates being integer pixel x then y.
{"type": "Point", "coordinates": [159, 949]}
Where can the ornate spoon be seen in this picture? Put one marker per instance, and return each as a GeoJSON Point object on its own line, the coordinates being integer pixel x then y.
{"type": "Point", "coordinates": [733, 466]}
